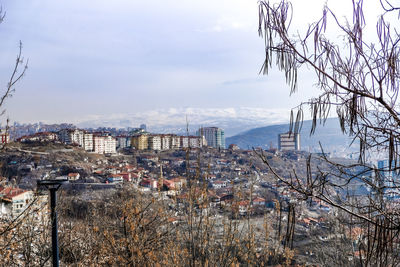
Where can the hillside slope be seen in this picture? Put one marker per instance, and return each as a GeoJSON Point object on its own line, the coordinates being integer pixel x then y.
{"type": "Point", "coordinates": [329, 134]}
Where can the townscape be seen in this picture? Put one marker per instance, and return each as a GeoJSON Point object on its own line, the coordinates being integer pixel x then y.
{"type": "Point", "coordinates": [236, 184]}
{"type": "Point", "coordinates": [303, 176]}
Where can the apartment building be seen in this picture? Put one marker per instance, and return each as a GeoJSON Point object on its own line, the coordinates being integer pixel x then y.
{"type": "Point", "coordinates": [154, 142]}
{"type": "Point", "coordinates": [88, 141]}
{"type": "Point", "coordinates": [214, 136]}
{"type": "Point", "coordinates": [140, 142]}
{"type": "Point", "coordinates": [175, 142]}
{"type": "Point", "coordinates": [184, 141]}
{"type": "Point", "coordinates": [165, 142]}
{"type": "Point", "coordinates": [123, 141]}
{"type": "Point", "coordinates": [195, 141]}
{"type": "Point", "coordinates": [71, 136]}
{"type": "Point", "coordinates": [110, 145]}
{"type": "Point", "coordinates": [289, 141]}
{"type": "Point", "coordinates": [98, 144]}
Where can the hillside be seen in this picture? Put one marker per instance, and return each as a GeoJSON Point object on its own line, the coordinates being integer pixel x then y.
{"type": "Point", "coordinates": [328, 134]}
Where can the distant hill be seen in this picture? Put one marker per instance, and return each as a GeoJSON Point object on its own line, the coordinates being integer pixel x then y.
{"type": "Point", "coordinates": [328, 134]}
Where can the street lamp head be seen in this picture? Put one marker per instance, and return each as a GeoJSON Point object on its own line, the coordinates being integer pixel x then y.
{"type": "Point", "coordinates": [52, 183]}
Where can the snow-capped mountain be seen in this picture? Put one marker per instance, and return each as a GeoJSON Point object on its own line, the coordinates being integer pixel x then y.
{"type": "Point", "coordinates": [174, 120]}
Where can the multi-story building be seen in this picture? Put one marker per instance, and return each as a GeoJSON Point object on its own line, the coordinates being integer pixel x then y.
{"type": "Point", "coordinates": [165, 142]}
{"type": "Point", "coordinates": [123, 141]}
{"type": "Point", "coordinates": [140, 142]}
{"type": "Point", "coordinates": [98, 144]}
{"type": "Point", "coordinates": [388, 176]}
{"type": "Point", "coordinates": [88, 141]}
{"type": "Point", "coordinates": [154, 142]}
{"type": "Point", "coordinates": [195, 141]}
{"type": "Point", "coordinates": [110, 145]}
{"type": "Point", "coordinates": [184, 141]}
{"type": "Point", "coordinates": [214, 136]}
{"type": "Point", "coordinates": [289, 141]}
{"type": "Point", "coordinates": [71, 136]}
{"type": "Point", "coordinates": [175, 142]}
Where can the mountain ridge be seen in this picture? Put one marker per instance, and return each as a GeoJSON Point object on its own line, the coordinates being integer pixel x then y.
{"type": "Point", "coordinates": [327, 133]}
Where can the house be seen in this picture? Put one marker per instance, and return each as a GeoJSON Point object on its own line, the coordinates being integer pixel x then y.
{"type": "Point", "coordinates": [179, 182]}
{"type": "Point", "coordinates": [73, 176]}
{"type": "Point", "coordinates": [168, 184]}
{"type": "Point", "coordinates": [233, 147]}
{"type": "Point", "coordinates": [244, 207]}
{"type": "Point", "coordinates": [14, 200]}
{"type": "Point", "coordinates": [127, 176]}
{"type": "Point", "coordinates": [115, 178]}
{"type": "Point", "coordinates": [219, 184]}
{"type": "Point", "coordinates": [259, 201]}
{"type": "Point", "coordinates": [149, 183]}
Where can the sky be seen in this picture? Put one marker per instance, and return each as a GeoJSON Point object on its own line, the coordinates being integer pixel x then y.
{"type": "Point", "coordinates": [98, 58]}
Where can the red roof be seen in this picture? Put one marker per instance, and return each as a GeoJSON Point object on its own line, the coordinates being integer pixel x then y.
{"type": "Point", "coordinates": [259, 199]}
{"type": "Point", "coordinates": [10, 192]}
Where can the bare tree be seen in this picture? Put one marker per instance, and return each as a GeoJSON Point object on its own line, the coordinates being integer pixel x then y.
{"type": "Point", "coordinates": [360, 80]}
{"type": "Point", "coordinates": [17, 73]}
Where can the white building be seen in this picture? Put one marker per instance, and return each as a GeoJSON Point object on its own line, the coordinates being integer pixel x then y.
{"type": "Point", "coordinates": [289, 141]}
{"type": "Point", "coordinates": [175, 142]}
{"type": "Point", "coordinates": [13, 201]}
{"type": "Point", "coordinates": [184, 141]}
{"type": "Point", "coordinates": [71, 136]}
{"type": "Point", "coordinates": [165, 142]}
{"type": "Point", "coordinates": [98, 144]}
{"type": "Point", "coordinates": [88, 141]}
{"type": "Point", "coordinates": [195, 141]}
{"type": "Point", "coordinates": [110, 145]}
{"type": "Point", "coordinates": [154, 142]}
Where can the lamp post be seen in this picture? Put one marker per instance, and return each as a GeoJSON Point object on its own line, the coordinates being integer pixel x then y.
{"type": "Point", "coordinates": [53, 185]}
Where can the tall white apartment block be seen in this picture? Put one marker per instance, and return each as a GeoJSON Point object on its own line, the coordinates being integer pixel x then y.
{"type": "Point", "coordinates": [184, 141]}
{"type": "Point", "coordinates": [98, 144]}
{"type": "Point", "coordinates": [154, 142]}
{"type": "Point", "coordinates": [110, 145]}
{"type": "Point", "coordinates": [175, 142]}
{"type": "Point", "coordinates": [77, 137]}
{"type": "Point", "coordinates": [88, 141]}
{"type": "Point", "coordinates": [195, 141]}
{"type": "Point", "coordinates": [165, 142]}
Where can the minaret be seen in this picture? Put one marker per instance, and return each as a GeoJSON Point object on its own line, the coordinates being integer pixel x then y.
{"type": "Point", "coordinates": [160, 179]}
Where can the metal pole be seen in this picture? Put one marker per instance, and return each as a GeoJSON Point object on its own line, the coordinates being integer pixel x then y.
{"type": "Point", "coordinates": [54, 231]}
{"type": "Point", "coordinates": [53, 185]}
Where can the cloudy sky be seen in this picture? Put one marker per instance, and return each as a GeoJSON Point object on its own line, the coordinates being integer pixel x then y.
{"type": "Point", "coordinates": [94, 58]}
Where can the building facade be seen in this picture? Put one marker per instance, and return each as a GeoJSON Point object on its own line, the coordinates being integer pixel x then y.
{"type": "Point", "coordinates": [98, 144]}
{"type": "Point", "coordinates": [154, 142]}
{"type": "Point", "coordinates": [140, 142]}
{"type": "Point", "coordinates": [214, 136]}
{"type": "Point", "coordinates": [289, 141]}
{"type": "Point", "coordinates": [88, 141]}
